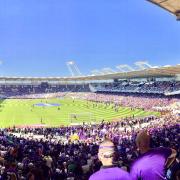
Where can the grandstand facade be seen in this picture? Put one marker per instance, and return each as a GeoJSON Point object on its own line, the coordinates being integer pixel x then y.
{"type": "Point", "coordinates": [159, 80]}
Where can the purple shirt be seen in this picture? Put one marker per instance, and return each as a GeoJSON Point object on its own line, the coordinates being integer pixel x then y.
{"type": "Point", "coordinates": [113, 173]}
{"type": "Point", "coordinates": [151, 165]}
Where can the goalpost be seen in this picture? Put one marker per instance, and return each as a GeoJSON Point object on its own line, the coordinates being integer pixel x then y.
{"type": "Point", "coordinates": [79, 118]}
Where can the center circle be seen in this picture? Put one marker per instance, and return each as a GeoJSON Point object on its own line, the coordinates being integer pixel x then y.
{"type": "Point", "coordinates": [47, 104]}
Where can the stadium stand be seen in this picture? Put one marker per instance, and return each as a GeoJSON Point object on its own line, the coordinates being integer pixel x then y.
{"type": "Point", "coordinates": [20, 90]}
{"type": "Point", "coordinates": [140, 87]}
{"type": "Point", "coordinates": [49, 156]}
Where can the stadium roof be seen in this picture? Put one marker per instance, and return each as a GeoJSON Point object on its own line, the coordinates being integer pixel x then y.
{"type": "Point", "coordinates": [165, 71]}
{"type": "Point", "coordinates": [173, 6]}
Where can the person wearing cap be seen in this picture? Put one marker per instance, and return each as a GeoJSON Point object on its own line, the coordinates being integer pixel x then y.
{"type": "Point", "coordinates": [152, 163]}
{"type": "Point", "coordinates": [108, 171]}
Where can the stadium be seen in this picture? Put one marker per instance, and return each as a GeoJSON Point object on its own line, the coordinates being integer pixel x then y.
{"type": "Point", "coordinates": [62, 101]}
{"type": "Point", "coordinates": [117, 123]}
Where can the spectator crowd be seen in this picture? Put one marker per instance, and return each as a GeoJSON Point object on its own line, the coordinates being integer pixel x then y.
{"type": "Point", "coordinates": [71, 152]}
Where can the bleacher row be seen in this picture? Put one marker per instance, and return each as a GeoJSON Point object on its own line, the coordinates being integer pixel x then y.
{"type": "Point", "coordinates": [18, 90]}
{"type": "Point", "coordinates": [8, 90]}
{"type": "Point", "coordinates": [140, 87]}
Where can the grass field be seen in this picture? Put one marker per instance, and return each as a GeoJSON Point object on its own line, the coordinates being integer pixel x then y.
{"type": "Point", "coordinates": [21, 112]}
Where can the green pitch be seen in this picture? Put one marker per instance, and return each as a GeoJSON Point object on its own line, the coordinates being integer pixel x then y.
{"type": "Point", "coordinates": [22, 112]}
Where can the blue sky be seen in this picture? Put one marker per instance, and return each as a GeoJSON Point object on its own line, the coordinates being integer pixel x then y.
{"type": "Point", "coordinates": [37, 37]}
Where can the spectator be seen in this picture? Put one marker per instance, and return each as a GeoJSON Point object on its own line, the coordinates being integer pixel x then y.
{"type": "Point", "coordinates": [152, 162]}
{"type": "Point", "coordinates": [108, 171]}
